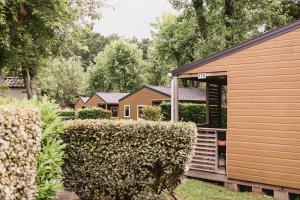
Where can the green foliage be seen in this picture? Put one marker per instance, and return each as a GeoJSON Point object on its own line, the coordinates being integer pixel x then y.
{"type": "Point", "coordinates": [187, 112]}
{"type": "Point", "coordinates": [93, 113]}
{"type": "Point", "coordinates": [67, 112]}
{"type": "Point", "coordinates": [62, 80]}
{"type": "Point", "coordinates": [152, 113]}
{"type": "Point", "coordinates": [117, 68]}
{"type": "Point", "coordinates": [20, 135]}
{"type": "Point", "coordinates": [50, 159]}
{"type": "Point", "coordinates": [192, 112]}
{"type": "Point", "coordinates": [125, 159]}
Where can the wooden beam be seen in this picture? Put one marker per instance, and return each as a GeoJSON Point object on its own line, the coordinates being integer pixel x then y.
{"type": "Point", "coordinates": [174, 99]}
{"type": "Point", "coordinates": [208, 74]}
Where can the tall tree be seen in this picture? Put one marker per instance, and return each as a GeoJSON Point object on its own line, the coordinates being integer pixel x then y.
{"type": "Point", "coordinates": [32, 30]}
{"type": "Point", "coordinates": [118, 68]}
{"type": "Point", "coordinates": [62, 80]}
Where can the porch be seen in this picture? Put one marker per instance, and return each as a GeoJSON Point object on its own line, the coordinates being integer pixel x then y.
{"type": "Point", "coordinates": [210, 149]}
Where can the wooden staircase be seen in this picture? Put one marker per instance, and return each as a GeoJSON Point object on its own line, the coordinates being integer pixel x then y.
{"type": "Point", "coordinates": [206, 151]}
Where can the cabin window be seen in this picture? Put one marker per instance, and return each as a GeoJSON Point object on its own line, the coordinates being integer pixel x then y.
{"type": "Point", "coordinates": [244, 188]}
{"type": "Point", "coordinates": [127, 111]}
{"type": "Point", "coordinates": [294, 196]}
{"type": "Point", "coordinates": [139, 111]}
{"type": "Point", "coordinates": [268, 192]}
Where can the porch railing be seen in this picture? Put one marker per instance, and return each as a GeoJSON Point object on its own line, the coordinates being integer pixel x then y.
{"type": "Point", "coordinates": [208, 150]}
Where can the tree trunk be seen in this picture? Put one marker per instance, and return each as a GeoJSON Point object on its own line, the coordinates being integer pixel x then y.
{"type": "Point", "coordinates": [33, 80]}
{"type": "Point", "coordinates": [26, 79]}
{"type": "Point", "coordinates": [1, 67]}
{"type": "Point", "coordinates": [202, 23]}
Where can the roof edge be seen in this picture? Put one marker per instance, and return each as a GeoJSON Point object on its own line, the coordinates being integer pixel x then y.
{"type": "Point", "coordinates": [236, 48]}
{"type": "Point", "coordinates": [144, 86]}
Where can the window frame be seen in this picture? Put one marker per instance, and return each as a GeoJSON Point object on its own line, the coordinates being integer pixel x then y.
{"type": "Point", "coordinates": [125, 106]}
{"type": "Point", "coordinates": [137, 110]}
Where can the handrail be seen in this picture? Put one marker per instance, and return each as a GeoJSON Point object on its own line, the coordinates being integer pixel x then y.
{"type": "Point", "coordinates": [212, 129]}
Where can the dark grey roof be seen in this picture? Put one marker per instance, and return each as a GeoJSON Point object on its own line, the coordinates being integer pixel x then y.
{"type": "Point", "coordinates": [84, 99]}
{"type": "Point", "coordinates": [14, 82]}
{"type": "Point", "coordinates": [111, 97]}
{"type": "Point", "coordinates": [244, 45]}
{"type": "Point", "coordinates": [185, 94]}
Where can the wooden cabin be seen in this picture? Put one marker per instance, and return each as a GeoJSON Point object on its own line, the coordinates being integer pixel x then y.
{"type": "Point", "coordinates": [15, 88]}
{"type": "Point", "coordinates": [131, 105]}
{"type": "Point", "coordinates": [106, 100]}
{"type": "Point", "coordinates": [81, 102]}
{"type": "Point", "coordinates": [260, 149]}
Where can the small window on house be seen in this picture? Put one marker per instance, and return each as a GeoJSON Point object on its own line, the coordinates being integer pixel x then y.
{"type": "Point", "coordinates": [139, 111]}
{"type": "Point", "coordinates": [244, 188]}
{"type": "Point", "coordinates": [268, 192]}
{"type": "Point", "coordinates": [127, 111]}
{"type": "Point", "coordinates": [294, 196]}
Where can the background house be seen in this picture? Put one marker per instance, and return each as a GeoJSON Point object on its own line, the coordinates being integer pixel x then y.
{"type": "Point", "coordinates": [16, 88]}
{"type": "Point", "coordinates": [106, 100]}
{"type": "Point", "coordinates": [131, 105]}
{"type": "Point", "coordinates": [81, 103]}
{"type": "Point", "coordinates": [260, 150]}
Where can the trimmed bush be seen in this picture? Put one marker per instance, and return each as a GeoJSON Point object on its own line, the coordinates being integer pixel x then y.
{"type": "Point", "coordinates": [49, 159]}
{"type": "Point", "coordinates": [125, 159]}
{"type": "Point", "coordinates": [191, 112]}
{"type": "Point", "coordinates": [20, 136]}
{"type": "Point", "coordinates": [152, 113]}
{"type": "Point", "coordinates": [188, 112]}
{"type": "Point", "coordinates": [93, 113]}
{"type": "Point", "coordinates": [67, 114]}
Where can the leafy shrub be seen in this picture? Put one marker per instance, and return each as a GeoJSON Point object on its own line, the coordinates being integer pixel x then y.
{"type": "Point", "coordinates": [187, 112]}
{"type": "Point", "coordinates": [192, 112]}
{"type": "Point", "coordinates": [20, 135]}
{"type": "Point", "coordinates": [49, 160]}
{"type": "Point", "coordinates": [67, 112]}
{"type": "Point", "coordinates": [152, 113]}
{"type": "Point", "coordinates": [125, 159]}
{"type": "Point", "coordinates": [93, 113]}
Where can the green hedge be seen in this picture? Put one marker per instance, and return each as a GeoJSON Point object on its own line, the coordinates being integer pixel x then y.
{"type": "Point", "coordinates": [67, 113]}
{"type": "Point", "coordinates": [125, 159]}
{"type": "Point", "coordinates": [50, 159]}
{"type": "Point", "coordinates": [93, 113]}
{"type": "Point", "coordinates": [191, 112]}
{"type": "Point", "coordinates": [187, 112]}
{"type": "Point", "coordinates": [20, 144]}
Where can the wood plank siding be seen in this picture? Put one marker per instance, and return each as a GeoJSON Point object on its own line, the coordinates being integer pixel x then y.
{"type": "Point", "coordinates": [263, 110]}
{"type": "Point", "coordinates": [94, 101]}
{"type": "Point", "coordinates": [79, 104]}
{"type": "Point", "coordinates": [145, 96]}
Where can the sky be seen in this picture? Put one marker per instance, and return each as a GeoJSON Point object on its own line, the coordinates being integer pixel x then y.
{"type": "Point", "coordinates": [131, 18]}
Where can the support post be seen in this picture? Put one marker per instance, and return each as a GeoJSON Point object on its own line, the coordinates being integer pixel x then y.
{"type": "Point", "coordinates": [174, 99]}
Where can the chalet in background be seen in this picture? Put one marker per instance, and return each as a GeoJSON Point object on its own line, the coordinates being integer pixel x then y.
{"type": "Point", "coordinates": [260, 150]}
{"type": "Point", "coordinates": [16, 87]}
{"type": "Point", "coordinates": [131, 105]}
{"type": "Point", "coordinates": [106, 100]}
{"type": "Point", "coordinates": [81, 103]}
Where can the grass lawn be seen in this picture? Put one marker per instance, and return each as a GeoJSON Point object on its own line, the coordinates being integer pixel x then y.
{"type": "Point", "coordinates": [192, 189]}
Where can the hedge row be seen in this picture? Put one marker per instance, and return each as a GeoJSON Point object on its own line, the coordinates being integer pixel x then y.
{"type": "Point", "coordinates": [125, 159]}
{"type": "Point", "coordinates": [93, 113]}
{"type": "Point", "coordinates": [187, 112]}
{"type": "Point", "coordinates": [85, 113]}
{"type": "Point", "coordinates": [20, 136]}
{"type": "Point", "coordinates": [191, 112]}
{"type": "Point", "coordinates": [49, 159]}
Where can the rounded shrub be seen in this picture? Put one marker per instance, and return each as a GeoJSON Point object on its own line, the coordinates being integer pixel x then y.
{"type": "Point", "coordinates": [152, 113]}
{"type": "Point", "coordinates": [93, 113]}
{"type": "Point", "coordinates": [125, 159]}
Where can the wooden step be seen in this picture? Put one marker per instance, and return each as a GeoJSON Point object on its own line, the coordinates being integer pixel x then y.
{"type": "Point", "coordinates": [204, 153]}
{"type": "Point", "coordinates": [201, 148]}
{"type": "Point", "coordinates": [206, 144]}
{"type": "Point", "coordinates": [200, 166]}
{"type": "Point", "coordinates": [204, 157]}
{"type": "Point", "coordinates": [203, 162]}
